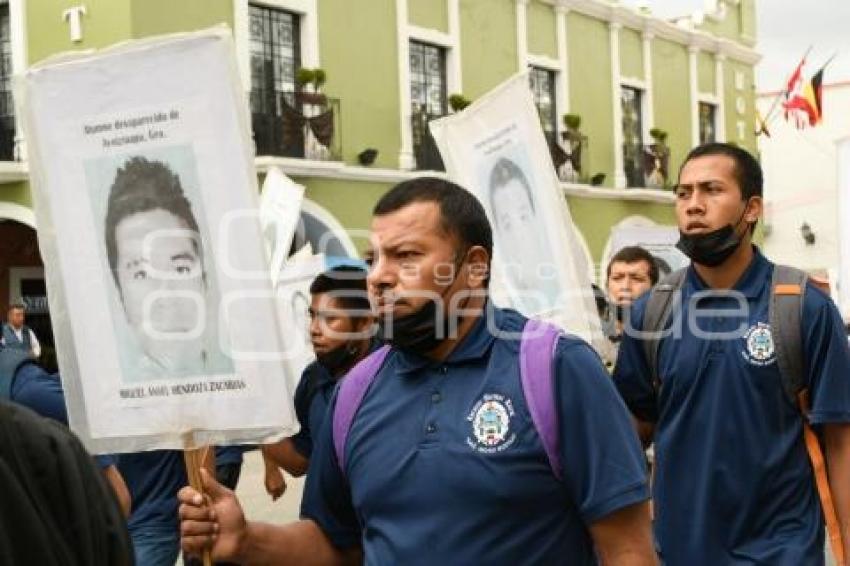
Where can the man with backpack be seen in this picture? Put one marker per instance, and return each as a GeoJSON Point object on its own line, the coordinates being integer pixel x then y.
{"type": "Point", "coordinates": [728, 366]}
{"type": "Point", "coordinates": [474, 437]}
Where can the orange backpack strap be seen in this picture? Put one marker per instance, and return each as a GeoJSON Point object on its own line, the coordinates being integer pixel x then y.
{"type": "Point", "coordinates": [833, 527]}
{"type": "Point", "coordinates": [786, 308]}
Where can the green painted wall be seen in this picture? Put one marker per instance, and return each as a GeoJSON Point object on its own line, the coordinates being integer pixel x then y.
{"type": "Point", "coordinates": [106, 22]}
{"type": "Point", "coordinates": [363, 74]}
{"type": "Point", "coordinates": [351, 202]}
{"type": "Point", "coordinates": [432, 14]}
{"type": "Point", "coordinates": [153, 17]}
{"type": "Point", "coordinates": [631, 54]}
{"type": "Point", "coordinates": [732, 94]}
{"type": "Point", "coordinates": [749, 26]}
{"type": "Point", "coordinates": [706, 71]}
{"type": "Point", "coordinates": [488, 44]}
{"type": "Point", "coordinates": [672, 100]}
{"type": "Point", "coordinates": [589, 53]}
{"type": "Point", "coordinates": [18, 193]}
{"type": "Point", "coordinates": [542, 39]}
{"type": "Point", "coordinates": [594, 218]}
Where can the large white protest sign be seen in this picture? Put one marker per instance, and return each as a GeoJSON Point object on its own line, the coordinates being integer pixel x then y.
{"type": "Point", "coordinates": [496, 149]}
{"type": "Point", "coordinates": [280, 209]}
{"type": "Point", "coordinates": [146, 201]}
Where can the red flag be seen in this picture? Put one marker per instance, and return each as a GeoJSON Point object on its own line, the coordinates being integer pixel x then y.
{"type": "Point", "coordinates": [795, 78]}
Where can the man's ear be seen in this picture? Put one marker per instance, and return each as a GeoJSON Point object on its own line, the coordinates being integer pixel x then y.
{"type": "Point", "coordinates": [755, 208]}
{"type": "Point", "coordinates": [477, 267]}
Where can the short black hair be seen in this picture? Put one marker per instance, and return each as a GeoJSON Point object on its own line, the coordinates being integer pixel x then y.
{"type": "Point", "coordinates": [140, 186]}
{"type": "Point", "coordinates": [505, 171]}
{"type": "Point", "coordinates": [16, 306]}
{"type": "Point", "coordinates": [461, 215]}
{"type": "Point", "coordinates": [347, 283]}
{"type": "Point", "coordinates": [634, 254]}
{"type": "Point", "coordinates": [747, 170]}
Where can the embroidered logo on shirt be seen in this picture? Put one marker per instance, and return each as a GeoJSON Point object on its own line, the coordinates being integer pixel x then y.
{"type": "Point", "coordinates": [760, 350]}
{"type": "Point", "coordinates": [491, 424]}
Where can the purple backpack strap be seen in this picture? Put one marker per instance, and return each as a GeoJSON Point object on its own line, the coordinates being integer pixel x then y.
{"type": "Point", "coordinates": [537, 351]}
{"type": "Point", "coordinates": [351, 392]}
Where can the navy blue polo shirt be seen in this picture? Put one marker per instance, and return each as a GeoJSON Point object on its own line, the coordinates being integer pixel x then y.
{"type": "Point", "coordinates": [429, 481]}
{"type": "Point", "coordinates": [733, 483]}
{"type": "Point", "coordinates": [42, 392]}
{"type": "Point", "coordinates": [312, 397]}
{"type": "Point", "coordinates": [153, 478]}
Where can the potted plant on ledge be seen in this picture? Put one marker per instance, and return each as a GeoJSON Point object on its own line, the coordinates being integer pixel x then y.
{"type": "Point", "coordinates": [574, 142]}
{"type": "Point", "coordinates": [657, 160]}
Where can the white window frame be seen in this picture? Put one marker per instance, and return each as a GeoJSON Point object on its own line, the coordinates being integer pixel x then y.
{"type": "Point", "coordinates": [308, 14]}
{"type": "Point", "coordinates": [454, 79]}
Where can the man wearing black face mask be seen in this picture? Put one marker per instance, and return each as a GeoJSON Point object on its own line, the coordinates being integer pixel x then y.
{"type": "Point", "coordinates": [442, 462]}
{"type": "Point", "coordinates": [341, 334]}
{"type": "Point", "coordinates": [732, 481]}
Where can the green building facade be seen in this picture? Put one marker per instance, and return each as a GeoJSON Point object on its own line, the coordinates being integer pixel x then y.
{"type": "Point", "coordinates": [391, 65]}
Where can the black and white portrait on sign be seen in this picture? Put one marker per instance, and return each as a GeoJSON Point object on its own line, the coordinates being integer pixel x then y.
{"type": "Point", "coordinates": [159, 264]}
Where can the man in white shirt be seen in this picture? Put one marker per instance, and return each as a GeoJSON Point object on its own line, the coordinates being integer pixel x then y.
{"type": "Point", "coordinates": [17, 335]}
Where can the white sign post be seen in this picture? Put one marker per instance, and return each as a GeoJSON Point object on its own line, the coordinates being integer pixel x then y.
{"type": "Point", "coordinates": [146, 201]}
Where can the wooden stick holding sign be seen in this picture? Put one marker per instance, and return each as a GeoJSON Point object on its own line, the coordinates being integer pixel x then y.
{"type": "Point", "coordinates": [195, 459]}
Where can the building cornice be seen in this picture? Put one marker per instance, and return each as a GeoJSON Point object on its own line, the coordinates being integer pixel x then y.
{"type": "Point", "coordinates": [626, 16]}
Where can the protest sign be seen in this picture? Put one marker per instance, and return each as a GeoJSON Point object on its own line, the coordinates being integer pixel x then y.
{"type": "Point", "coordinates": [496, 149]}
{"type": "Point", "coordinates": [146, 199]}
{"type": "Point", "coordinates": [660, 241]}
{"type": "Point", "coordinates": [280, 209]}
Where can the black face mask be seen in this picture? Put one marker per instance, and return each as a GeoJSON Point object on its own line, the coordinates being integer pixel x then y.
{"type": "Point", "coordinates": [418, 332]}
{"type": "Point", "coordinates": [713, 248]}
{"type": "Point", "coordinates": [339, 359]}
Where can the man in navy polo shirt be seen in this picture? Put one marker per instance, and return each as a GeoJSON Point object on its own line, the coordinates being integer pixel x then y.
{"type": "Point", "coordinates": [341, 334]}
{"type": "Point", "coordinates": [732, 483]}
{"type": "Point", "coordinates": [422, 483]}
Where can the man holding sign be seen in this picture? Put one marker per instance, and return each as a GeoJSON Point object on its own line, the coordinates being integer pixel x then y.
{"type": "Point", "coordinates": [428, 453]}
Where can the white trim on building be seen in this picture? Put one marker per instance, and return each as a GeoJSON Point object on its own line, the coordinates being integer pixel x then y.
{"type": "Point", "coordinates": [18, 213]}
{"type": "Point", "coordinates": [454, 76]}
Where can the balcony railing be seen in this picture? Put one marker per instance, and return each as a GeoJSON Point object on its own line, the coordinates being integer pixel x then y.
{"type": "Point", "coordinates": [425, 150]}
{"type": "Point", "coordinates": [303, 125]}
{"type": "Point", "coordinates": [633, 164]}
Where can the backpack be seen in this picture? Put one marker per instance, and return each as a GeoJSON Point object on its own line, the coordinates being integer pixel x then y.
{"type": "Point", "coordinates": [537, 350]}
{"type": "Point", "coordinates": [785, 318]}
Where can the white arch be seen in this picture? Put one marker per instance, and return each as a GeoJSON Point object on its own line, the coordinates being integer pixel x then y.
{"type": "Point", "coordinates": [18, 213]}
{"type": "Point", "coordinates": [331, 222]}
{"type": "Point", "coordinates": [634, 221]}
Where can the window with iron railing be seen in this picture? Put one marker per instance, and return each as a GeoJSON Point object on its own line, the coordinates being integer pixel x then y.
{"type": "Point", "coordinates": [707, 128]}
{"type": "Point", "coordinates": [287, 118]}
{"type": "Point", "coordinates": [543, 92]}
{"type": "Point", "coordinates": [428, 100]}
{"type": "Point", "coordinates": [632, 112]}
